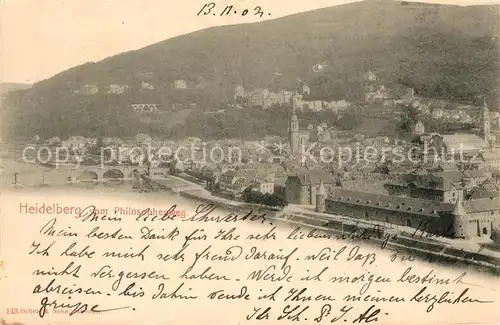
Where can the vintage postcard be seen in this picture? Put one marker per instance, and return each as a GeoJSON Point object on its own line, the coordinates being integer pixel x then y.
{"type": "Point", "coordinates": [249, 162]}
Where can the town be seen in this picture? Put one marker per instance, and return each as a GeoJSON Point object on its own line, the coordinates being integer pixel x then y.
{"type": "Point", "coordinates": [454, 190]}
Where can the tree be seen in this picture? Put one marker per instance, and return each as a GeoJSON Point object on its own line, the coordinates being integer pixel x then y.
{"type": "Point", "coordinates": [54, 142]}
{"type": "Point", "coordinates": [349, 121]}
{"type": "Point", "coordinates": [268, 199]}
{"type": "Point", "coordinates": [142, 138]}
{"type": "Point", "coordinates": [409, 116]}
{"type": "Point", "coordinates": [96, 148]}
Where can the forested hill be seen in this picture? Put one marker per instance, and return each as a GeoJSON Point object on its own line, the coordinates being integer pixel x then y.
{"type": "Point", "coordinates": [441, 51]}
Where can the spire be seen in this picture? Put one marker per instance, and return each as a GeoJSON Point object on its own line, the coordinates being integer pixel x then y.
{"type": "Point", "coordinates": [485, 105]}
{"type": "Point", "coordinates": [321, 190]}
{"type": "Point", "coordinates": [459, 210]}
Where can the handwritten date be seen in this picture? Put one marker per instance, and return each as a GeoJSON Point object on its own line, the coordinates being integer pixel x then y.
{"type": "Point", "coordinates": [209, 9]}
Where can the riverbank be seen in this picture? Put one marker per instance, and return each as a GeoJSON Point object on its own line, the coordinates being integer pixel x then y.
{"type": "Point", "coordinates": [196, 192]}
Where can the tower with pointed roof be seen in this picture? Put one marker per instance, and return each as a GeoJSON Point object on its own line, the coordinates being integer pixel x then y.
{"type": "Point", "coordinates": [320, 198]}
{"type": "Point", "coordinates": [418, 128]}
{"type": "Point", "coordinates": [459, 220]}
{"type": "Point", "coordinates": [294, 133]}
{"type": "Point", "coordinates": [496, 129]}
{"type": "Point", "coordinates": [486, 123]}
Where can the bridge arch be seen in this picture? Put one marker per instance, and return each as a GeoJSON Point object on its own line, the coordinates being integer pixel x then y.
{"type": "Point", "coordinates": [113, 174]}
{"type": "Point", "coordinates": [88, 176]}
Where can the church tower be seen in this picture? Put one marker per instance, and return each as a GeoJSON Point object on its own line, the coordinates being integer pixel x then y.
{"type": "Point", "coordinates": [320, 198]}
{"type": "Point", "coordinates": [459, 220]}
{"type": "Point", "coordinates": [486, 123]}
{"type": "Point", "coordinates": [496, 129]}
{"type": "Point", "coordinates": [294, 133]}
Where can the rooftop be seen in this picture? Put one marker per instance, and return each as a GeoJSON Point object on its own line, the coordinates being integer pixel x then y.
{"type": "Point", "coordinates": [392, 203]}
{"type": "Point", "coordinates": [314, 177]}
{"type": "Point", "coordinates": [464, 141]}
{"type": "Point", "coordinates": [415, 206]}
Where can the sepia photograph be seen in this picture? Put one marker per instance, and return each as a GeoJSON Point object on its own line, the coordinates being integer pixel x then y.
{"type": "Point", "coordinates": [249, 162]}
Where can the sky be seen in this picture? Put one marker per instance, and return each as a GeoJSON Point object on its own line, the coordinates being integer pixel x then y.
{"type": "Point", "coordinates": [40, 38]}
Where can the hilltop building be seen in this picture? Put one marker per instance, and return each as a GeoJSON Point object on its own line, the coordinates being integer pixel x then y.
{"type": "Point", "coordinates": [239, 91]}
{"type": "Point", "coordinates": [88, 90]}
{"type": "Point", "coordinates": [337, 106]}
{"type": "Point", "coordinates": [288, 96]}
{"type": "Point", "coordinates": [145, 108]}
{"type": "Point", "coordinates": [180, 84]}
{"type": "Point", "coordinates": [258, 97]}
{"type": "Point", "coordinates": [377, 96]}
{"type": "Point", "coordinates": [117, 89]}
{"type": "Point", "coordinates": [370, 76]}
{"type": "Point", "coordinates": [147, 86]}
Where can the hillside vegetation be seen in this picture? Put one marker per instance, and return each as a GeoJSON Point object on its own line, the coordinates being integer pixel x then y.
{"type": "Point", "coordinates": [441, 51]}
{"type": "Point", "coordinates": [5, 87]}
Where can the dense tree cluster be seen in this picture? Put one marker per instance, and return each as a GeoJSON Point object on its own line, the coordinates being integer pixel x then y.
{"type": "Point", "coordinates": [269, 199]}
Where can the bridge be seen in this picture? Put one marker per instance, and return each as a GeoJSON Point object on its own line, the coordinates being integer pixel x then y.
{"type": "Point", "coordinates": [98, 173]}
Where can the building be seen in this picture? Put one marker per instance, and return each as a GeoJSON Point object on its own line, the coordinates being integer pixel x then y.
{"type": "Point", "coordinates": [306, 90]}
{"type": "Point", "coordinates": [496, 129]}
{"type": "Point", "coordinates": [320, 198]}
{"type": "Point", "coordinates": [180, 84]}
{"type": "Point", "coordinates": [437, 113]}
{"type": "Point", "coordinates": [338, 105]}
{"type": "Point", "coordinates": [453, 144]}
{"type": "Point", "coordinates": [489, 158]}
{"type": "Point", "coordinates": [117, 89]}
{"type": "Point", "coordinates": [487, 189]}
{"type": "Point", "coordinates": [288, 96]}
{"type": "Point", "coordinates": [88, 90]}
{"type": "Point", "coordinates": [425, 187]}
{"type": "Point", "coordinates": [462, 219]}
{"type": "Point", "coordinates": [234, 182]}
{"type": "Point", "coordinates": [370, 76]}
{"type": "Point", "coordinates": [264, 186]}
{"type": "Point", "coordinates": [315, 105]}
{"type": "Point", "coordinates": [145, 108]}
{"type": "Point", "coordinates": [486, 123]}
{"type": "Point", "coordinates": [409, 96]}
{"type": "Point", "coordinates": [275, 99]}
{"type": "Point", "coordinates": [418, 129]}
{"type": "Point", "coordinates": [147, 86]}
{"type": "Point", "coordinates": [303, 187]}
{"type": "Point", "coordinates": [466, 179]}
{"type": "Point", "coordinates": [298, 138]}
{"type": "Point", "coordinates": [239, 92]}
{"type": "Point", "coordinates": [377, 96]}
{"type": "Point", "coordinates": [258, 97]}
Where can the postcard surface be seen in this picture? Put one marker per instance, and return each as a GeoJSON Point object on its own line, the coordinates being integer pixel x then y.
{"type": "Point", "coordinates": [249, 162]}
